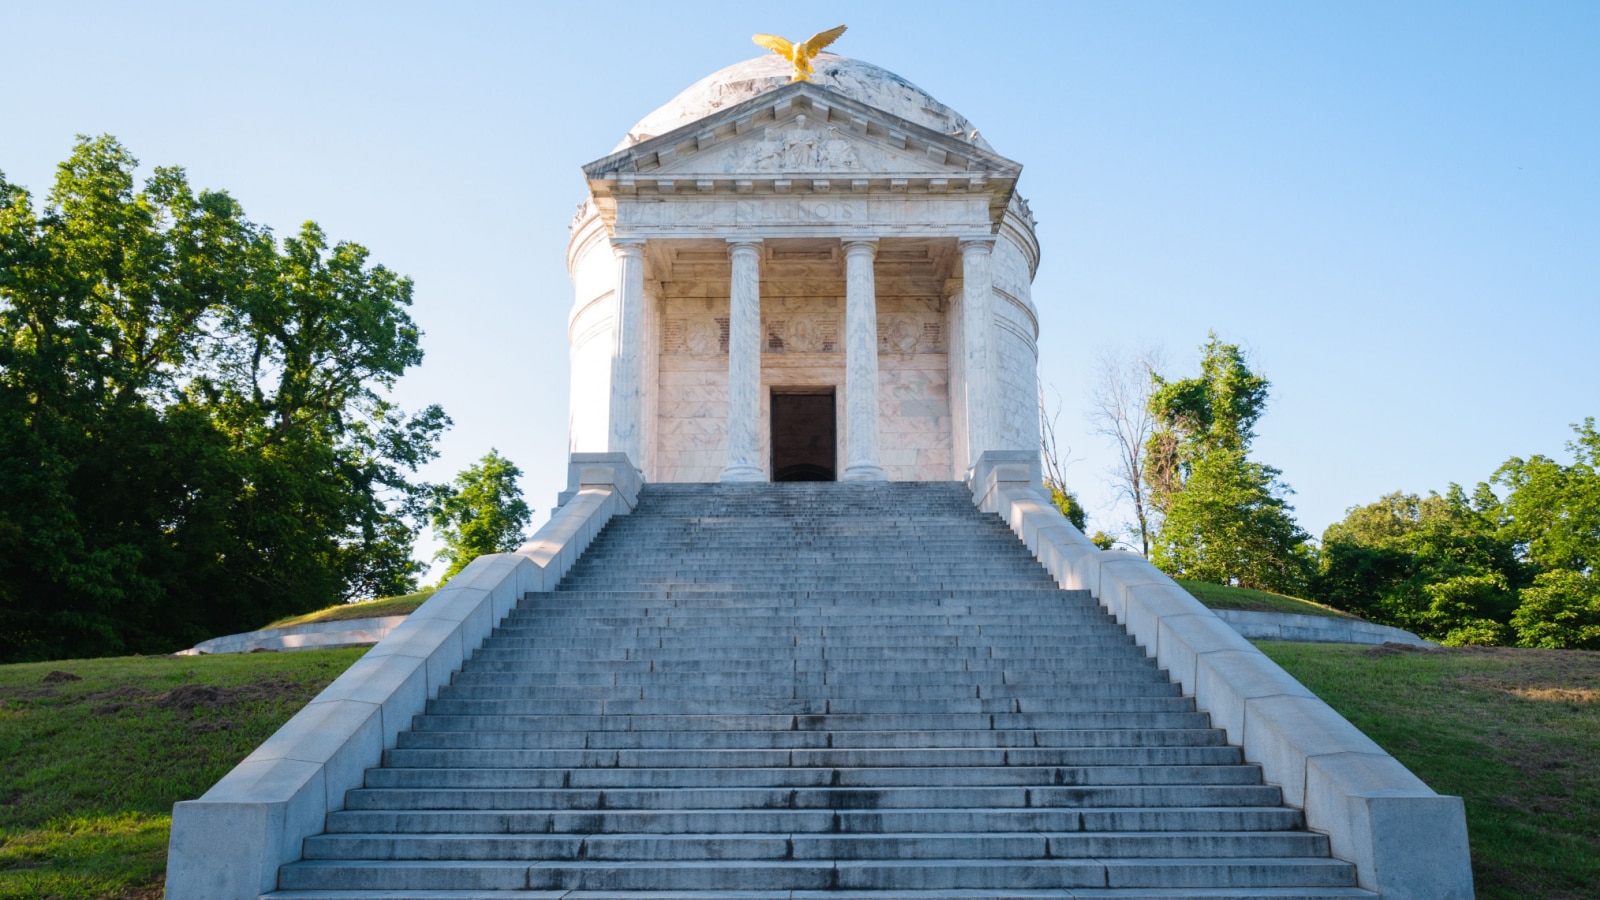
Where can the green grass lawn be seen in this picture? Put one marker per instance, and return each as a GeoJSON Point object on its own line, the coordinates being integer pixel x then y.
{"type": "Point", "coordinates": [90, 768]}
{"type": "Point", "coordinates": [1220, 596]}
{"type": "Point", "coordinates": [367, 609]}
{"type": "Point", "coordinates": [1516, 733]}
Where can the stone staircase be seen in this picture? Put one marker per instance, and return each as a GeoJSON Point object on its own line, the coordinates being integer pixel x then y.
{"type": "Point", "coordinates": [765, 691]}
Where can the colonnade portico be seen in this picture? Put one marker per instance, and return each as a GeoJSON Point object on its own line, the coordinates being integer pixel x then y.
{"type": "Point", "coordinates": [643, 271]}
{"type": "Point", "coordinates": [803, 285]}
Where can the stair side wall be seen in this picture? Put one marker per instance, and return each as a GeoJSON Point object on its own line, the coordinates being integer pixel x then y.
{"type": "Point", "coordinates": [229, 844]}
{"type": "Point", "coordinates": [1407, 842]}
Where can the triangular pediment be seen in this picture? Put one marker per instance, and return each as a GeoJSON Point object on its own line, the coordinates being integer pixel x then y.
{"type": "Point", "coordinates": [801, 137]}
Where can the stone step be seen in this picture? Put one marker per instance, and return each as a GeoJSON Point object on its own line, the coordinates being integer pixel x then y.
{"type": "Point", "coordinates": [835, 697]}
{"type": "Point", "coordinates": [1097, 659]}
{"type": "Point", "coordinates": [795, 821]}
{"type": "Point", "coordinates": [787, 591]}
{"type": "Point", "coordinates": [805, 706]}
{"type": "Point", "coordinates": [1043, 597]}
{"type": "Point", "coordinates": [781, 846]}
{"type": "Point", "coordinates": [626, 769]}
{"type": "Point", "coordinates": [549, 649]}
{"type": "Point", "coordinates": [810, 761]}
{"type": "Point", "coordinates": [823, 722]}
{"type": "Point", "coordinates": [1121, 740]}
{"type": "Point", "coordinates": [815, 798]}
{"type": "Point", "coordinates": [841, 635]}
{"type": "Point", "coordinates": [807, 607]}
{"type": "Point", "coordinates": [1192, 893]}
{"type": "Point", "coordinates": [821, 875]}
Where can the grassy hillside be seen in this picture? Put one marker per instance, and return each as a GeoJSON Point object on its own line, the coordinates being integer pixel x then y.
{"type": "Point", "coordinates": [93, 753]}
{"type": "Point", "coordinates": [1516, 733]}
{"type": "Point", "coordinates": [366, 609]}
{"type": "Point", "coordinates": [1220, 596]}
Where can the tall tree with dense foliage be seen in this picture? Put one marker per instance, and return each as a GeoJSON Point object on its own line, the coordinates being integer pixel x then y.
{"type": "Point", "coordinates": [1480, 569]}
{"type": "Point", "coordinates": [192, 435]}
{"type": "Point", "coordinates": [1552, 513]}
{"type": "Point", "coordinates": [1438, 565]}
{"type": "Point", "coordinates": [482, 511]}
{"type": "Point", "coordinates": [1223, 516]}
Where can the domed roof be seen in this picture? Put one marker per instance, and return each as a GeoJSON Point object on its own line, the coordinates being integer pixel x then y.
{"type": "Point", "coordinates": [855, 79]}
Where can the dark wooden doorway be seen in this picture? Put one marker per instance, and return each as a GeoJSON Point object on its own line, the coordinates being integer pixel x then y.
{"type": "Point", "coordinates": [804, 435]}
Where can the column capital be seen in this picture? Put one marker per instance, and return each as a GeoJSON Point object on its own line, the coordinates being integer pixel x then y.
{"type": "Point", "coordinates": [860, 245]}
{"type": "Point", "coordinates": [623, 247]}
{"type": "Point", "coordinates": [984, 243]}
{"type": "Point", "coordinates": [743, 245]}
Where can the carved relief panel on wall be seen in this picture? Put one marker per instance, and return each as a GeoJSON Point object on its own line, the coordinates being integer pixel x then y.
{"type": "Point", "coordinates": [704, 335]}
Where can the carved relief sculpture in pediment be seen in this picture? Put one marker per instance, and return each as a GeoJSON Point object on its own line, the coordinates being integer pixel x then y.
{"type": "Point", "coordinates": [797, 149]}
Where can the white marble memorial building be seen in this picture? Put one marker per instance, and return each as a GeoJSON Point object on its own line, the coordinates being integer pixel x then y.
{"type": "Point", "coordinates": [824, 280]}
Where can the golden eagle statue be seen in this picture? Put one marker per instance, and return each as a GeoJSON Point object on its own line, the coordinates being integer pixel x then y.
{"type": "Point", "coordinates": [800, 54]}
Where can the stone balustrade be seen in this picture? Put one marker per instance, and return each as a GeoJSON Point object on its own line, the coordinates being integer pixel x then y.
{"type": "Point", "coordinates": [228, 844]}
{"type": "Point", "coordinates": [1408, 843]}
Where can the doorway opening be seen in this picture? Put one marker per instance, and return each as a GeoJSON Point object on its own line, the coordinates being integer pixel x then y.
{"type": "Point", "coordinates": [804, 435]}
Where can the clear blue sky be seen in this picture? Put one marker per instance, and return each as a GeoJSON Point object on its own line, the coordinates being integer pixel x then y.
{"type": "Point", "coordinates": [1394, 206]}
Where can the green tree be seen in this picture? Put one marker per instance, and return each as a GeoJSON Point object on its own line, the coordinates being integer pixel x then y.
{"type": "Point", "coordinates": [1552, 510]}
{"type": "Point", "coordinates": [1223, 516]}
{"type": "Point", "coordinates": [191, 438]}
{"type": "Point", "coordinates": [1552, 514]}
{"type": "Point", "coordinates": [1438, 565]}
{"type": "Point", "coordinates": [482, 511]}
{"type": "Point", "coordinates": [1560, 611]}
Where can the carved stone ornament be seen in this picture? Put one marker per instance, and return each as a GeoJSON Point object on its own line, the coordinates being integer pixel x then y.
{"type": "Point", "coordinates": [579, 216]}
{"type": "Point", "coordinates": [801, 149]}
{"type": "Point", "coordinates": [901, 335]}
{"type": "Point", "coordinates": [701, 337]}
{"type": "Point", "coordinates": [802, 335]}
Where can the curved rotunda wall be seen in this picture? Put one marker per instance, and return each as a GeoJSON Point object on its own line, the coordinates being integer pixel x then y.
{"type": "Point", "coordinates": [591, 336]}
{"type": "Point", "coordinates": [1011, 340]}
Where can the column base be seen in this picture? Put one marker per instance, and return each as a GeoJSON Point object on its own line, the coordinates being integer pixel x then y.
{"type": "Point", "coordinates": [863, 472]}
{"type": "Point", "coordinates": [743, 473]}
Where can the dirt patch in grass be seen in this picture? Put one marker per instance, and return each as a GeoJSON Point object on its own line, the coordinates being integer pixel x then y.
{"type": "Point", "coordinates": [186, 698]}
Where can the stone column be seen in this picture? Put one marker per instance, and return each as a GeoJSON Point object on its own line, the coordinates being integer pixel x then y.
{"type": "Point", "coordinates": [744, 364]}
{"type": "Point", "coordinates": [628, 356]}
{"type": "Point", "coordinates": [956, 372]}
{"type": "Point", "coordinates": [977, 289]}
{"type": "Point", "coordinates": [861, 363]}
